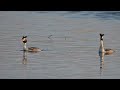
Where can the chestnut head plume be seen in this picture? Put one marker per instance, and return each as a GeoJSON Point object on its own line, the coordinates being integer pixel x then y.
{"type": "Point", "coordinates": [101, 36]}
{"type": "Point", "coordinates": [24, 39]}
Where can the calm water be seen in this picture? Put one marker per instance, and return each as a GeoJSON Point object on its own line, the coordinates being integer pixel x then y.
{"type": "Point", "coordinates": [70, 41]}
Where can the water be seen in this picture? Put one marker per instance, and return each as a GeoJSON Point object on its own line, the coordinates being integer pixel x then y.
{"type": "Point", "coordinates": [70, 43]}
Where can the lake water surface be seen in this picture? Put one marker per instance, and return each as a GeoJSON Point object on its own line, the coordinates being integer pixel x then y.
{"type": "Point", "coordinates": [70, 43]}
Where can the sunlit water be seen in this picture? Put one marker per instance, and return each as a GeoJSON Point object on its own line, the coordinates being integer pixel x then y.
{"type": "Point", "coordinates": [70, 43]}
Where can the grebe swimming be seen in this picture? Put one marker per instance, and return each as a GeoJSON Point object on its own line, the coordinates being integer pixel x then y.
{"type": "Point", "coordinates": [102, 49]}
{"type": "Point", "coordinates": [29, 49]}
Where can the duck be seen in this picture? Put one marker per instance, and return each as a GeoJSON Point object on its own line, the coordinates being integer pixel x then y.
{"type": "Point", "coordinates": [29, 49]}
{"type": "Point", "coordinates": [107, 51]}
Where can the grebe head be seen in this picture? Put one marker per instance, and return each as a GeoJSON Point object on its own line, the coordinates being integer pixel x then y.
{"type": "Point", "coordinates": [101, 36]}
{"type": "Point", "coordinates": [24, 39]}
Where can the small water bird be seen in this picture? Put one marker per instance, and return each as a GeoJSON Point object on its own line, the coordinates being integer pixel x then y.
{"type": "Point", "coordinates": [102, 49]}
{"type": "Point", "coordinates": [29, 49]}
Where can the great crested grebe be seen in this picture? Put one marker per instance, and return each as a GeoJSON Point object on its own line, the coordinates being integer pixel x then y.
{"type": "Point", "coordinates": [29, 49]}
{"type": "Point", "coordinates": [102, 49]}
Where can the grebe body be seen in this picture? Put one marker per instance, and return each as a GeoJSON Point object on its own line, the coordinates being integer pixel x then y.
{"type": "Point", "coordinates": [29, 49]}
{"type": "Point", "coordinates": [102, 49]}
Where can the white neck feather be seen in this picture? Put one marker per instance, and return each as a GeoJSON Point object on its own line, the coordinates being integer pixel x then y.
{"type": "Point", "coordinates": [101, 49]}
{"type": "Point", "coordinates": [24, 46]}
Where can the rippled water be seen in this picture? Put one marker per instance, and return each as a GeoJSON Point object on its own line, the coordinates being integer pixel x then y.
{"type": "Point", "coordinates": [70, 40]}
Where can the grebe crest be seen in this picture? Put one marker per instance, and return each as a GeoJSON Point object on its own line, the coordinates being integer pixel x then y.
{"type": "Point", "coordinates": [29, 49]}
{"type": "Point", "coordinates": [102, 49]}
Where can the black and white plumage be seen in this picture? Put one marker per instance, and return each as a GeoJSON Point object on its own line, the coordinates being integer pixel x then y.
{"type": "Point", "coordinates": [29, 49]}
{"type": "Point", "coordinates": [107, 51]}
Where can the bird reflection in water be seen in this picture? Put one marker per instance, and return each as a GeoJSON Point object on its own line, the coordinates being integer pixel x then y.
{"type": "Point", "coordinates": [101, 62]}
{"type": "Point", "coordinates": [24, 61]}
{"type": "Point", "coordinates": [101, 59]}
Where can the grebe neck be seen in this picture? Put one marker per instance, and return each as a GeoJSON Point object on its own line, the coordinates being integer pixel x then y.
{"type": "Point", "coordinates": [101, 46]}
{"type": "Point", "coordinates": [25, 46]}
